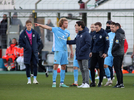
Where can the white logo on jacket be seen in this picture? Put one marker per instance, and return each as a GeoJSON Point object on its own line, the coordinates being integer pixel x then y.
{"type": "Point", "coordinates": [81, 36]}
{"type": "Point", "coordinates": [100, 36]}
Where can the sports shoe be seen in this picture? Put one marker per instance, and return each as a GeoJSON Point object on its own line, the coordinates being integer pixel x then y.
{"type": "Point", "coordinates": [92, 85]}
{"type": "Point", "coordinates": [29, 82]}
{"type": "Point", "coordinates": [35, 81]}
{"type": "Point", "coordinates": [81, 85]}
{"type": "Point", "coordinates": [122, 86]}
{"type": "Point", "coordinates": [47, 74]}
{"type": "Point", "coordinates": [108, 83]}
{"type": "Point", "coordinates": [63, 85]}
{"type": "Point", "coordinates": [74, 84]}
{"type": "Point", "coordinates": [117, 86]}
{"type": "Point", "coordinates": [97, 77]}
{"type": "Point", "coordinates": [54, 85]}
{"type": "Point", "coordinates": [86, 86]}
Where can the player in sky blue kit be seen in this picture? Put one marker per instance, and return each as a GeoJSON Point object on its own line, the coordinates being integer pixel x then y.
{"type": "Point", "coordinates": [75, 67]}
{"type": "Point", "coordinates": [108, 63]}
{"type": "Point", "coordinates": [61, 35]}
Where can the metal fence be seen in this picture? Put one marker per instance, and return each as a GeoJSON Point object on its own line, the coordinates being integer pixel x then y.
{"type": "Point", "coordinates": [124, 16]}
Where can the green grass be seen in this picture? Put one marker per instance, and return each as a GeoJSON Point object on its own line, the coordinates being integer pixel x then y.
{"type": "Point", "coordinates": [13, 87]}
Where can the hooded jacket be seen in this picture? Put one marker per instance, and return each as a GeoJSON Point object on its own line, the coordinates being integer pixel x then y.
{"type": "Point", "coordinates": [82, 42]}
{"type": "Point", "coordinates": [28, 49]}
{"type": "Point", "coordinates": [118, 43]}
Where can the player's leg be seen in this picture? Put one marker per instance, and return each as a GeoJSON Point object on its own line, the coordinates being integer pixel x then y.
{"type": "Point", "coordinates": [57, 58]}
{"type": "Point", "coordinates": [94, 61]}
{"type": "Point", "coordinates": [76, 66]}
{"type": "Point", "coordinates": [86, 73]}
{"type": "Point", "coordinates": [107, 62]}
{"type": "Point", "coordinates": [63, 62]}
{"type": "Point", "coordinates": [89, 65]}
{"type": "Point", "coordinates": [97, 70]}
{"type": "Point", "coordinates": [42, 67]}
{"type": "Point", "coordinates": [34, 63]}
{"type": "Point", "coordinates": [101, 67]}
{"type": "Point", "coordinates": [28, 73]}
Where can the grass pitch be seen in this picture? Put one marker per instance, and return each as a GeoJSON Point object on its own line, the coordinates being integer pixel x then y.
{"type": "Point", "coordinates": [13, 87]}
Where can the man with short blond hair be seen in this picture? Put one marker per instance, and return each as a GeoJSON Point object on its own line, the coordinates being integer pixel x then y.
{"type": "Point", "coordinates": [61, 35]}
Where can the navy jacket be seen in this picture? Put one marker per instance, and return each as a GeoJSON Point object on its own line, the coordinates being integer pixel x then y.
{"type": "Point", "coordinates": [100, 42]}
{"type": "Point", "coordinates": [29, 51]}
{"type": "Point", "coordinates": [82, 42]}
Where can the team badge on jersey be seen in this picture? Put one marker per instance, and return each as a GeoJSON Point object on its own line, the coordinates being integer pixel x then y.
{"type": "Point", "coordinates": [100, 36]}
{"type": "Point", "coordinates": [117, 41]}
{"type": "Point", "coordinates": [107, 38]}
{"type": "Point", "coordinates": [66, 34]}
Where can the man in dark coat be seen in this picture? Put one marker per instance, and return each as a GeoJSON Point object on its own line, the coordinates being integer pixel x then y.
{"type": "Point", "coordinates": [82, 42]}
{"type": "Point", "coordinates": [98, 51]}
{"type": "Point", "coordinates": [30, 41]}
{"type": "Point", "coordinates": [118, 53]}
{"type": "Point", "coordinates": [3, 29]}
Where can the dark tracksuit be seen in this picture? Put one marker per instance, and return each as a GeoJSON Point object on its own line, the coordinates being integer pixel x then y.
{"type": "Point", "coordinates": [118, 53]}
{"type": "Point", "coordinates": [30, 51]}
{"type": "Point", "coordinates": [82, 42]}
{"type": "Point", "coordinates": [89, 64]}
{"type": "Point", "coordinates": [99, 46]}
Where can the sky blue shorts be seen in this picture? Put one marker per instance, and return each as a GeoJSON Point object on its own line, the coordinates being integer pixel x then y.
{"type": "Point", "coordinates": [75, 62]}
{"type": "Point", "coordinates": [108, 61]}
{"type": "Point", "coordinates": [61, 57]}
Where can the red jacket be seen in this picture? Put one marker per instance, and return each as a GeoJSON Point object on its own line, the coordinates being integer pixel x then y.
{"type": "Point", "coordinates": [11, 49]}
{"type": "Point", "coordinates": [125, 46]}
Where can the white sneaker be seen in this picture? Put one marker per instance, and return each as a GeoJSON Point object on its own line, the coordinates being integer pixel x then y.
{"type": "Point", "coordinates": [35, 81]}
{"type": "Point", "coordinates": [104, 77]}
{"type": "Point", "coordinates": [86, 86]}
{"type": "Point", "coordinates": [29, 82]}
{"type": "Point", "coordinates": [81, 85]}
{"type": "Point", "coordinates": [97, 77]}
{"type": "Point", "coordinates": [108, 83]}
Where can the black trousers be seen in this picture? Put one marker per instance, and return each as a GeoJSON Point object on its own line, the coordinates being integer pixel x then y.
{"type": "Point", "coordinates": [28, 66]}
{"type": "Point", "coordinates": [94, 60]}
{"type": "Point", "coordinates": [111, 71]}
{"type": "Point", "coordinates": [39, 64]}
{"type": "Point", "coordinates": [117, 66]}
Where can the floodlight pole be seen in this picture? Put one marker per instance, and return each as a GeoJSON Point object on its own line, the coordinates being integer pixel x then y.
{"type": "Point", "coordinates": [37, 3]}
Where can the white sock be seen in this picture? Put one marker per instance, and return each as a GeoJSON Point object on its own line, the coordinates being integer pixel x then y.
{"type": "Point", "coordinates": [54, 82]}
{"type": "Point", "coordinates": [109, 79]}
{"type": "Point", "coordinates": [75, 82]}
{"type": "Point", "coordinates": [29, 79]}
{"type": "Point", "coordinates": [61, 83]}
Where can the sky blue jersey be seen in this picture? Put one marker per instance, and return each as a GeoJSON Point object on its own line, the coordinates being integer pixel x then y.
{"type": "Point", "coordinates": [60, 39]}
{"type": "Point", "coordinates": [111, 38]}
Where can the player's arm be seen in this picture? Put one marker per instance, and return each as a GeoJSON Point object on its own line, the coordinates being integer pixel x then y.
{"type": "Point", "coordinates": [43, 26]}
{"type": "Point", "coordinates": [71, 48]}
{"type": "Point", "coordinates": [69, 41]}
